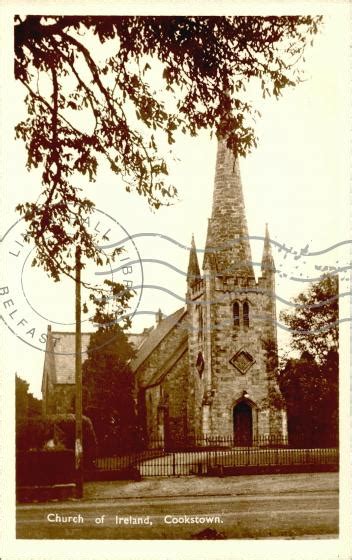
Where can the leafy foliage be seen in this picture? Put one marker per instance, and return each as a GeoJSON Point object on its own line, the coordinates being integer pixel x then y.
{"type": "Point", "coordinates": [33, 431]}
{"type": "Point", "coordinates": [34, 434]}
{"type": "Point", "coordinates": [310, 384]}
{"type": "Point", "coordinates": [116, 297]}
{"type": "Point", "coordinates": [314, 321]}
{"type": "Point", "coordinates": [27, 406]}
{"type": "Point", "coordinates": [81, 109]}
{"type": "Point", "coordinates": [274, 398]}
{"type": "Point", "coordinates": [311, 395]}
{"type": "Point", "coordinates": [64, 429]}
{"type": "Point", "coordinates": [109, 386]}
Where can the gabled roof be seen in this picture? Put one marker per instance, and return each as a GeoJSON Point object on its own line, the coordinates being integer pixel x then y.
{"type": "Point", "coordinates": [64, 354]}
{"type": "Point", "coordinates": [170, 362]}
{"type": "Point", "coordinates": [156, 336]}
{"type": "Point", "coordinates": [60, 349]}
{"type": "Point", "coordinates": [60, 353]}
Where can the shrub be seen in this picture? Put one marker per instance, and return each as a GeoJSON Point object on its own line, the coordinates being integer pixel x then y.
{"type": "Point", "coordinates": [33, 435]}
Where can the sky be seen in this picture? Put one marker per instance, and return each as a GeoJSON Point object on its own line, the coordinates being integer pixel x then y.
{"type": "Point", "coordinates": [297, 181]}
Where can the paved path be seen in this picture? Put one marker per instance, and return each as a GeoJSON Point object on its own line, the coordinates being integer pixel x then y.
{"type": "Point", "coordinates": [254, 507]}
{"type": "Point", "coordinates": [197, 486]}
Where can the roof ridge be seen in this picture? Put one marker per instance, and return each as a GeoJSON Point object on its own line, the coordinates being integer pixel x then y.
{"type": "Point", "coordinates": [156, 336]}
{"type": "Point", "coordinates": [164, 370]}
{"type": "Point", "coordinates": [92, 332]}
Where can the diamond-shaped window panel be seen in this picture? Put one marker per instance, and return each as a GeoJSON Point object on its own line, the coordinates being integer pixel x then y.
{"type": "Point", "coordinates": [242, 361]}
{"type": "Point", "coordinates": [200, 364]}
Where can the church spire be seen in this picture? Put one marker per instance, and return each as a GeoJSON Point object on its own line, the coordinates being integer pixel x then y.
{"type": "Point", "coordinates": [209, 255]}
{"type": "Point", "coordinates": [193, 273]}
{"type": "Point", "coordinates": [268, 265]}
{"type": "Point", "coordinates": [228, 241]}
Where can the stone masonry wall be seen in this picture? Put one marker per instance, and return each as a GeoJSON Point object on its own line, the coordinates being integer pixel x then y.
{"type": "Point", "coordinates": [228, 383]}
{"type": "Point", "coordinates": [160, 354]}
{"type": "Point", "coordinates": [197, 379]}
{"type": "Point", "coordinates": [174, 393]}
{"type": "Point", "coordinates": [166, 403]}
{"type": "Point", "coordinates": [62, 399]}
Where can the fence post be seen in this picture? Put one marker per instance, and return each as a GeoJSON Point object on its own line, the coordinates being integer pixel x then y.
{"type": "Point", "coordinates": [174, 463]}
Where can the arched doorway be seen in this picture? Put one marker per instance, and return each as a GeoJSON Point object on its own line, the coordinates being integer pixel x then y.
{"type": "Point", "coordinates": [242, 424]}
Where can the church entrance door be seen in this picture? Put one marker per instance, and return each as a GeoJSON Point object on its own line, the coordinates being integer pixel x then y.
{"type": "Point", "coordinates": [243, 424]}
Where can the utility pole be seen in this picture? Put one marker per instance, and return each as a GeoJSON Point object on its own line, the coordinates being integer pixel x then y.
{"type": "Point", "coordinates": [78, 381]}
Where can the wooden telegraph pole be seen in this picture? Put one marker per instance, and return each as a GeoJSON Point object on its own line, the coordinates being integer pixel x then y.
{"type": "Point", "coordinates": [78, 381]}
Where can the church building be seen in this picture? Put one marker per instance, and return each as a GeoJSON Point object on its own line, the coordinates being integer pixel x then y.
{"type": "Point", "coordinates": [208, 369]}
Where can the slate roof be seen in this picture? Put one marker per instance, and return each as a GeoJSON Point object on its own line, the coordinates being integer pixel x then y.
{"type": "Point", "coordinates": [170, 362]}
{"type": "Point", "coordinates": [60, 365]}
{"type": "Point", "coordinates": [156, 336]}
{"type": "Point", "coordinates": [62, 361]}
{"type": "Point", "coordinates": [64, 354]}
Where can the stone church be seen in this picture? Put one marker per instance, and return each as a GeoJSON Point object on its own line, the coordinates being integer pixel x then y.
{"type": "Point", "coordinates": [207, 370]}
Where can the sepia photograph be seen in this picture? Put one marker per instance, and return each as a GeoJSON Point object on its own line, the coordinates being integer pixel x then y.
{"type": "Point", "coordinates": [175, 280]}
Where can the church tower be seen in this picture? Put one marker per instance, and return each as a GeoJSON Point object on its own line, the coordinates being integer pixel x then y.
{"type": "Point", "coordinates": [232, 325]}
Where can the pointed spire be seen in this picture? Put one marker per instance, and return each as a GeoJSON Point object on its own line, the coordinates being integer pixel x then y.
{"type": "Point", "coordinates": [228, 224]}
{"type": "Point", "coordinates": [209, 255]}
{"type": "Point", "coordinates": [193, 273]}
{"type": "Point", "coordinates": [268, 265]}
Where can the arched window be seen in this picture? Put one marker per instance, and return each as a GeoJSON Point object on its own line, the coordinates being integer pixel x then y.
{"type": "Point", "coordinates": [236, 314]}
{"type": "Point", "coordinates": [200, 325]}
{"type": "Point", "coordinates": [246, 314]}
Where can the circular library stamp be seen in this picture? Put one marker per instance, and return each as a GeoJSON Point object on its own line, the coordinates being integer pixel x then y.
{"type": "Point", "coordinates": [32, 303]}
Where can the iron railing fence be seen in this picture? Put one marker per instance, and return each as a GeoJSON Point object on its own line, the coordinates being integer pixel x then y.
{"type": "Point", "coordinates": [204, 455]}
{"type": "Point", "coordinates": [218, 442]}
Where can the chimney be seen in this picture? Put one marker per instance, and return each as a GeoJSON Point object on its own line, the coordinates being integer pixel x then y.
{"type": "Point", "coordinates": [158, 316]}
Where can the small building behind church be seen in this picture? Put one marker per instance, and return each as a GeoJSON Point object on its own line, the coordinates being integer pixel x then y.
{"type": "Point", "coordinates": [58, 379]}
{"type": "Point", "coordinates": [208, 369]}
